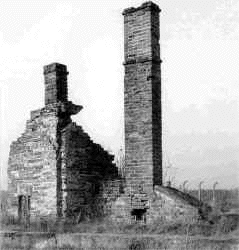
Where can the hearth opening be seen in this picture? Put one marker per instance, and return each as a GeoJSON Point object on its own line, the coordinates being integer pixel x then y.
{"type": "Point", "coordinates": [23, 207]}
{"type": "Point", "coordinates": [139, 214]}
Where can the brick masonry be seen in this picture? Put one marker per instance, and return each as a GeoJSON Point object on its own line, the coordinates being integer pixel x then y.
{"type": "Point", "coordinates": [55, 164]}
{"type": "Point", "coordinates": [55, 169]}
{"type": "Point", "coordinates": [143, 146]}
{"type": "Point", "coordinates": [164, 204]}
{"type": "Point", "coordinates": [145, 200]}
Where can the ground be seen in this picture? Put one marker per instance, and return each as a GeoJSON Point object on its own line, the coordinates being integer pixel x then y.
{"type": "Point", "coordinates": [221, 233]}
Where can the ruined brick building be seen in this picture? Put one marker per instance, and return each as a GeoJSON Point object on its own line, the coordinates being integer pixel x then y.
{"type": "Point", "coordinates": [55, 168]}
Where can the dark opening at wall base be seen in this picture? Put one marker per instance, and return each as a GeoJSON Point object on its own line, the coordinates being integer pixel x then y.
{"type": "Point", "coordinates": [23, 207]}
{"type": "Point", "coordinates": [139, 215]}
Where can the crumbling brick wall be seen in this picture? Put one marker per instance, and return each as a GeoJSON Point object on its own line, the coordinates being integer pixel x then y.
{"type": "Point", "coordinates": [31, 166]}
{"type": "Point", "coordinates": [88, 175]}
{"type": "Point", "coordinates": [54, 168]}
{"type": "Point", "coordinates": [164, 205]}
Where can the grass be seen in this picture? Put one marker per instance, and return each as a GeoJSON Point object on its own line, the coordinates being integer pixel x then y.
{"type": "Point", "coordinates": [220, 233]}
{"type": "Point", "coordinates": [117, 241]}
{"type": "Point", "coordinates": [219, 225]}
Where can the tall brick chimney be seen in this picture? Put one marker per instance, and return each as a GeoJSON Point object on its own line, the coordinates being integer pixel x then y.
{"type": "Point", "coordinates": [55, 75]}
{"type": "Point", "coordinates": [142, 97]}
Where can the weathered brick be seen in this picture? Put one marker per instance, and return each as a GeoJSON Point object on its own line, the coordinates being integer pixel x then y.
{"type": "Point", "coordinates": [55, 162]}
{"type": "Point", "coordinates": [143, 145]}
{"type": "Point", "coordinates": [145, 199]}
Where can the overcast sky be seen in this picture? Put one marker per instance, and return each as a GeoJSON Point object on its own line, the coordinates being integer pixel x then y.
{"type": "Point", "coordinates": [200, 77]}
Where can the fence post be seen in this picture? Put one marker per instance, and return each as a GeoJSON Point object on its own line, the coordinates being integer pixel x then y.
{"type": "Point", "coordinates": [214, 194]}
{"type": "Point", "coordinates": [184, 185]}
{"type": "Point", "coordinates": [200, 191]}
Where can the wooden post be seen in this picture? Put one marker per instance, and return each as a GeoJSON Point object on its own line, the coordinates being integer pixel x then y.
{"type": "Point", "coordinates": [214, 194]}
{"type": "Point", "coordinates": [200, 191]}
{"type": "Point", "coordinates": [184, 184]}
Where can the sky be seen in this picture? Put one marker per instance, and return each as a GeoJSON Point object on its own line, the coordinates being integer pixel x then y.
{"type": "Point", "coordinates": [199, 43]}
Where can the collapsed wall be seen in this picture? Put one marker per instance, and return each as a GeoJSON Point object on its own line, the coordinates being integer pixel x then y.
{"type": "Point", "coordinates": [90, 181]}
{"type": "Point", "coordinates": [54, 168]}
{"type": "Point", "coordinates": [32, 166]}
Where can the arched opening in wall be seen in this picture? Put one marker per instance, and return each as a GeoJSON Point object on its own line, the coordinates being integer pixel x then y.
{"type": "Point", "coordinates": [139, 215]}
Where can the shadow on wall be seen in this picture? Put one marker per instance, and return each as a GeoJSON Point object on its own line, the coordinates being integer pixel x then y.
{"type": "Point", "coordinates": [90, 180]}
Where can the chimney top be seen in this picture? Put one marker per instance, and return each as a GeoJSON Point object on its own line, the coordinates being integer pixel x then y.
{"type": "Point", "coordinates": [55, 67]}
{"type": "Point", "coordinates": [147, 5]}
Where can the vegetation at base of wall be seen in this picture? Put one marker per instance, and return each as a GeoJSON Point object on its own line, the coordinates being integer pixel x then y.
{"type": "Point", "coordinates": [219, 225]}
{"type": "Point", "coordinates": [222, 231]}
{"type": "Point", "coordinates": [57, 241]}
{"type": "Point", "coordinates": [66, 242]}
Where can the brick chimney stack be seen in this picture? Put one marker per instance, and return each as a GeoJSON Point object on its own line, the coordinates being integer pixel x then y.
{"type": "Point", "coordinates": [142, 97]}
{"type": "Point", "coordinates": [55, 75]}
